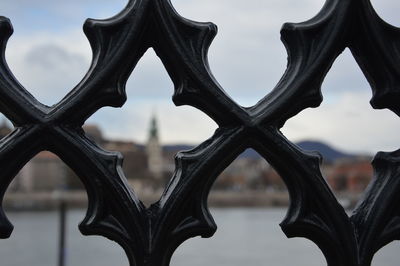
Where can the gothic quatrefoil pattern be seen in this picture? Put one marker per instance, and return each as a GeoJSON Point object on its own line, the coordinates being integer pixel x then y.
{"type": "Point", "coordinates": [150, 236]}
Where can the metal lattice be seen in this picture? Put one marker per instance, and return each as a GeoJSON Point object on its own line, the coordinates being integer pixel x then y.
{"type": "Point", "coordinates": [149, 236]}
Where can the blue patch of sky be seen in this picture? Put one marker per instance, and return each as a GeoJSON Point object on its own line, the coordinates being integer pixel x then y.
{"type": "Point", "coordinates": [104, 10]}
{"type": "Point", "coordinates": [54, 17]}
{"type": "Point", "coordinates": [38, 20]}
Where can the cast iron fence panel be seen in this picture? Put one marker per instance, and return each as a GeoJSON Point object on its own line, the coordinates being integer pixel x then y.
{"type": "Point", "coordinates": [149, 236]}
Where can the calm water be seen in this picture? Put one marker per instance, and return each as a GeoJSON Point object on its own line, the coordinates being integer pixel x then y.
{"type": "Point", "coordinates": [245, 237]}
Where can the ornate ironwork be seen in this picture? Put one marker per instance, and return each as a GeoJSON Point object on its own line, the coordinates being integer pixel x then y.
{"type": "Point", "coordinates": [149, 236]}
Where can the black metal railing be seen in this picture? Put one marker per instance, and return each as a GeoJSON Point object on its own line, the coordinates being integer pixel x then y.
{"type": "Point", "coordinates": [149, 236]}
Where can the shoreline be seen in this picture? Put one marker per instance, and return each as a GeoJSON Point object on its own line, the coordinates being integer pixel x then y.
{"type": "Point", "coordinates": [43, 201]}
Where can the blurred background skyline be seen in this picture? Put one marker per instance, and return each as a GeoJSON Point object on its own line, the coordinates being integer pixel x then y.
{"type": "Point", "coordinates": [49, 54]}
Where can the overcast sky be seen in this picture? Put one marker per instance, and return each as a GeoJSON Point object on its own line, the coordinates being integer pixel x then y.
{"type": "Point", "coordinates": [49, 54]}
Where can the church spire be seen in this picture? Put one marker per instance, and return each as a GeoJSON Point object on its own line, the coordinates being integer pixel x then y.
{"type": "Point", "coordinates": [153, 128]}
{"type": "Point", "coordinates": [155, 160]}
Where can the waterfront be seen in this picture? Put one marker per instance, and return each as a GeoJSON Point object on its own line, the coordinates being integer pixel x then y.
{"type": "Point", "coordinates": [246, 236]}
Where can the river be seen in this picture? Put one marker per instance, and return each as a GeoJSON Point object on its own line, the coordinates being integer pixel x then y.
{"type": "Point", "coordinates": [244, 237]}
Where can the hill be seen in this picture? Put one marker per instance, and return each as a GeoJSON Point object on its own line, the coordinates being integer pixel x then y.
{"type": "Point", "coordinates": [329, 153]}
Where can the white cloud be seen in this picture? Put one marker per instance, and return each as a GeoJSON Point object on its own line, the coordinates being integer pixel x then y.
{"type": "Point", "coordinates": [47, 66]}
{"type": "Point", "coordinates": [349, 124]}
{"type": "Point", "coordinates": [388, 10]}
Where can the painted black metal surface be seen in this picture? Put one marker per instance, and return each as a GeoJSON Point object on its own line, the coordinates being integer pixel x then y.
{"type": "Point", "coordinates": [150, 236]}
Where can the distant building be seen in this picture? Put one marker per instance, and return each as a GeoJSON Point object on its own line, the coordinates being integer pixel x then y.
{"type": "Point", "coordinates": [135, 159]}
{"type": "Point", "coordinates": [4, 129]}
{"type": "Point", "coordinates": [351, 175]}
{"type": "Point", "coordinates": [148, 168]}
{"type": "Point", "coordinates": [44, 172]}
{"type": "Point", "coordinates": [94, 133]}
{"type": "Point", "coordinates": [155, 162]}
{"type": "Point", "coordinates": [242, 174]}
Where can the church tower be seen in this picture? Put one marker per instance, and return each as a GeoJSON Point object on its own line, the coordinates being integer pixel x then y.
{"type": "Point", "coordinates": [154, 151]}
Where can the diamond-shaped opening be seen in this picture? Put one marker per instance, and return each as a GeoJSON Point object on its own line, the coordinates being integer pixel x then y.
{"type": "Point", "coordinates": [48, 52]}
{"type": "Point", "coordinates": [32, 204]}
{"type": "Point", "coordinates": [248, 201]}
{"type": "Point", "coordinates": [345, 130]}
{"type": "Point", "coordinates": [388, 255]}
{"type": "Point", "coordinates": [388, 10]}
{"type": "Point", "coordinates": [247, 56]}
{"type": "Point", "coordinates": [249, 181]}
{"type": "Point", "coordinates": [149, 130]}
